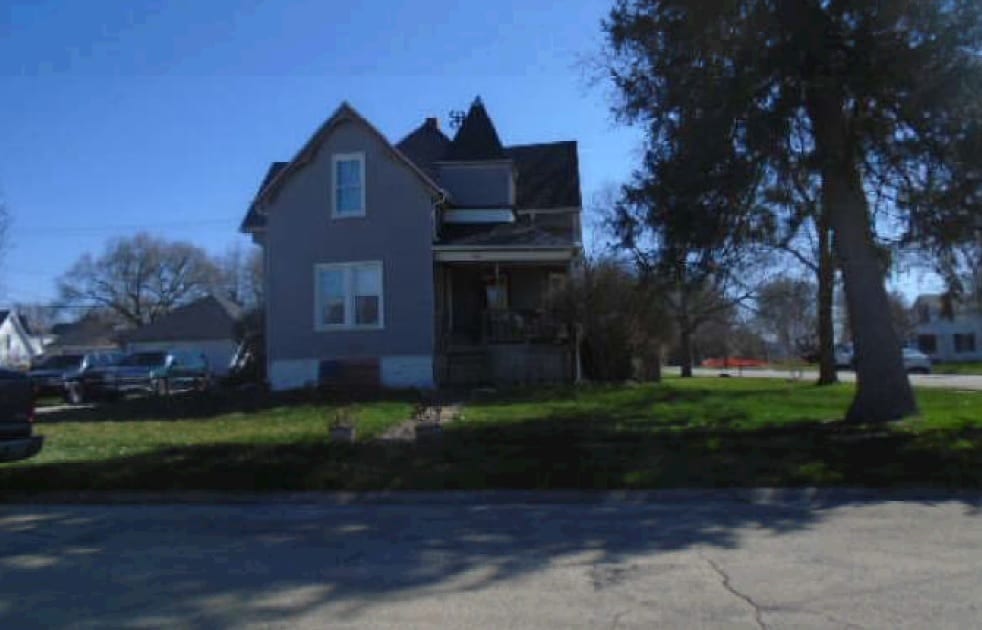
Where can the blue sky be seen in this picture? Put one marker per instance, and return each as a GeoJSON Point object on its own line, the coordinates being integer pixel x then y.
{"type": "Point", "coordinates": [117, 116]}
{"type": "Point", "coordinates": [121, 115]}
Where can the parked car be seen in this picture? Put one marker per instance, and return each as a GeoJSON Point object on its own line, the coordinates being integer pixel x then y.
{"type": "Point", "coordinates": [843, 357]}
{"type": "Point", "coordinates": [141, 372]}
{"type": "Point", "coordinates": [49, 373]}
{"type": "Point", "coordinates": [17, 418]}
{"type": "Point", "coordinates": [915, 361]}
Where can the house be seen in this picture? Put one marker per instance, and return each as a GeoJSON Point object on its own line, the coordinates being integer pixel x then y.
{"type": "Point", "coordinates": [91, 332]}
{"type": "Point", "coordinates": [208, 325]}
{"type": "Point", "coordinates": [948, 330]}
{"type": "Point", "coordinates": [428, 262]}
{"type": "Point", "coordinates": [18, 344]}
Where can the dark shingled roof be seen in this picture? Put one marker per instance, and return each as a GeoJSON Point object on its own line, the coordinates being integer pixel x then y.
{"type": "Point", "coordinates": [548, 175]}
{"type": "Point", "coordinates": [502, 235]}
{"type": "Point", "coordinates": [253, 219]}
{"type": "Point", "coordinates": [425, 146]}
{"type": "Point", "coordinates": [210, 317]}
{"type": "Point", "coordinates": [477, 138]}
{"type": "Point", "coordinates": [88, 332]}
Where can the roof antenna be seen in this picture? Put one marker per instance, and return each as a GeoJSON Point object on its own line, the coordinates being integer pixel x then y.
{"type": "Point", "coordinates": [456, 118]}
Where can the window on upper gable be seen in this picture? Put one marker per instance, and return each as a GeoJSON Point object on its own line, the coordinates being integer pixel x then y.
{"type": "Point", "coordinates": [348, 194]}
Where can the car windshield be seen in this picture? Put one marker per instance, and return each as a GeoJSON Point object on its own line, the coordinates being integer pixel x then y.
{"type": "Point", "coordinates": [145, 359]}
{"type": "Point", "coordinates": [65, 361]}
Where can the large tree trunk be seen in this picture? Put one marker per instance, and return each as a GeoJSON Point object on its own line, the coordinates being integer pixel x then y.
{"type": "Point", "coordinates": [883, 391]}
{"type": "Point", "coordinates": [826, 288]}
{"type": "Point", "coordinates": [685, 343]}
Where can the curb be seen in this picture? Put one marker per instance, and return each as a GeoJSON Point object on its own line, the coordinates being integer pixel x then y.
{"type": "Point", "coordinates": [811, 497]}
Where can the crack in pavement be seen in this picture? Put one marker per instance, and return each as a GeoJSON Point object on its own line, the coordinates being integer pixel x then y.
{"type": "Point", "coordinates": [617, 619]}
{"type": "Point", "coordinates": [758, 610]}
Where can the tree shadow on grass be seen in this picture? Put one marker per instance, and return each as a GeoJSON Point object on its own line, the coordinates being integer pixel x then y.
{"type": "Point", "coordinates": [553, 453]}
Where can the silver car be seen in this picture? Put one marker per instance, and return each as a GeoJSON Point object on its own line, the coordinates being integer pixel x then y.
{"type": "Point", "coordinates": [915, 361]}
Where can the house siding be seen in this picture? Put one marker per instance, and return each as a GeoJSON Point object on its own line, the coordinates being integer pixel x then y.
{"type": "Point", "coordinates": [17, 349]}
{"type": "Point", "coordinates": [945, 330]}
{"type": "Point", "coordinates": [396, 230]}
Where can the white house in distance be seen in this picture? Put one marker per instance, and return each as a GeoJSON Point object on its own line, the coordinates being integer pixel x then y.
{"type": "Point", "coordinates": [207, 325]}
{"type": "Point", "coordinates": [951, 334]}
{"type": "Point", "coordinates": [18, 346]}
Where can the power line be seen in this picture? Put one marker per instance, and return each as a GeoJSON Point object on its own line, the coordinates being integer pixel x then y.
{"type": "Point", "coordinates": [96, 229]}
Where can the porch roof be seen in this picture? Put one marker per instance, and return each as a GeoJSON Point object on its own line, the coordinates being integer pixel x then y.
{"type": "Point", "coordinates": [502, 235]}
{"type": "Point", "coordinates": [506, 243]}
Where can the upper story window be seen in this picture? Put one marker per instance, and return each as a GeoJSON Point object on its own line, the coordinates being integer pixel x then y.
{"type": "Point", "coordinates": [348, 198]}
{"type": "Point", "coordinates": [348, 296]}
{"type": "Point", "coordinates": [924, 314]}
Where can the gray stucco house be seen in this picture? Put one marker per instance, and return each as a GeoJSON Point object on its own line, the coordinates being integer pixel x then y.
{"type": "Point", "coordinates": [948, 330]}
{"type": "Point", "coordinates": [424, 263]}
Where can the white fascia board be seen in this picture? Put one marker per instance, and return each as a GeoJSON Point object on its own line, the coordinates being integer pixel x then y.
{"type": "Point", "coordinates": [479, 215]}
{"type": "Point", "coordinates": [564, 210]}
{"type": "Point", "coordinates": [503, 254]}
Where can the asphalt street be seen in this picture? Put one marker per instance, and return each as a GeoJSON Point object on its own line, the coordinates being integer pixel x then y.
{"type": "Point", "coordinates": [944, 381]}
{"type": "Point", "coordinates": [701, 559]}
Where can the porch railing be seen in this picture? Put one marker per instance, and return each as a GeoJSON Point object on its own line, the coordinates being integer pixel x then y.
{"type": "Point", "coordinates": [521, 326]}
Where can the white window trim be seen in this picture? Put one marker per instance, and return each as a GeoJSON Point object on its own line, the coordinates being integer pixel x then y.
{"type": "Point", "coordinates": [349, 298]}
{"type": "Point", "coordinates": [345, 157]}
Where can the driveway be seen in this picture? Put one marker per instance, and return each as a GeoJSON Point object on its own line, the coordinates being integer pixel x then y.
{"type": "Point", "coordinates": [944, 381]}
{"type": "Point", "coordinates": [677, 559]}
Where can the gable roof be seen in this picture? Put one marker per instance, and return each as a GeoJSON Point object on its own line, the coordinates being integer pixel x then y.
{"type": "Point", "coordinates": [24, 325]}
{"type": "Point", "coordinates": [253, 219]}
{"type": "Point", "coordinates": [344, 113]}
{"type": "Point", "coordinates": [548, 175]}
{"type": "Point", "coordinates": [425, 145]}
{"type": "Point", "coordinates": [208, 318]}
{"type": "Point", "coordinates": [88, 332]}
{"type": "Point", "coordinates": [476, 139]}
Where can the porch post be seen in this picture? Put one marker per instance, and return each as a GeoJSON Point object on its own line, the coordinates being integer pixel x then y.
{"type": "Point", "coordinates": [448, 275]}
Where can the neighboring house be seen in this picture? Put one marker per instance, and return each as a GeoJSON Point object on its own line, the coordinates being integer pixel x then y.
{"type": "Point", "coordinates": [948, 331]}
{"type": "Point", "coordinates": [425, 263]}
{"type": "Point", "coordinates": [208, 325]}
{"type": "Point", "coordinates": [90, 333]}
{"type": "Point", "coordinates": [18, 344]}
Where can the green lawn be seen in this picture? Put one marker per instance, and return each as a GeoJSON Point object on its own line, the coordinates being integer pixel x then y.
{"type": "Point", "coordinates": [958, 368]}
{"type": "Point", "coordinates": [128, 435]}
{"type": "Point", "coordinates": [704, 432]}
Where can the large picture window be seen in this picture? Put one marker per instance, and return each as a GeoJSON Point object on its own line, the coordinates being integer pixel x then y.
{"type": "Point", "coordinates": [348, 296]}
{"type": "Point", "coordinates": [348, 195]}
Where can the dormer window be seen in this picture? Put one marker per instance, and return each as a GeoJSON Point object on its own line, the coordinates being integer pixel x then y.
{"type": "Point", "coordinates": [348, 199]}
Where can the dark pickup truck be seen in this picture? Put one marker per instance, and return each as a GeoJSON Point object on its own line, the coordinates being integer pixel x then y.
{"type": "Point", "coordinates": [17, 418]}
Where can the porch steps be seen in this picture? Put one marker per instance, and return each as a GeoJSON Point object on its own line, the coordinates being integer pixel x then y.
{"type": "Point", "coordinates": [466, 367]}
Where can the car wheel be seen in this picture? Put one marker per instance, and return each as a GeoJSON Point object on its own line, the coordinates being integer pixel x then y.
{"type": "Point", "coordinates": [918, 370]}
{"type": "Point", "coordinates": [159, 387]}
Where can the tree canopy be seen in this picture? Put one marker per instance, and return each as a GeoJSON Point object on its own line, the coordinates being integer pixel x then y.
{"type": "Point", "coordinates": [878, 100]}
{"type": "Point", "coordinates": [140, 278]}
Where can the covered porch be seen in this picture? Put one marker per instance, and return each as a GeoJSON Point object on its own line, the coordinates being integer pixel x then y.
{"type": "Point", "coordinates": [498, 322]}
